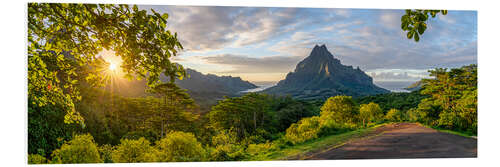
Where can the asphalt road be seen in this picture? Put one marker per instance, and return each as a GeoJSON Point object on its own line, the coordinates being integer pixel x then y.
{"type": "Point", "coordinates": [403, 140]}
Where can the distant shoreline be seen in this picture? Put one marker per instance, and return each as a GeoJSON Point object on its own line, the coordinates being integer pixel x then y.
{"type": "Point", "coordinates": [393, 86]}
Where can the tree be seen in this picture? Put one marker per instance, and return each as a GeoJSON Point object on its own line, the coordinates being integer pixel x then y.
{"type": "Point", "coordinates": [173, 107]}
{"type": "Point", "coordinates": [244, 114]}
{"type": "Point", "coordinates": [414, 115]}
{"type": "Point", "coordinates": [81, 149]}
{"type": "Point", "coordinates": [65, 37]}
{"type": "Point", "coordinates": [291, 111]}
{"type": "Point", "coordinates": [413, 22]}
{"type": "Point", "coordinates": [340, 109]}
{"type": "Point", "coordinates": [398, 100]}
{"type": "Point", "coordinates": [131, 151]}
{"type": "Point", "coordinates": [180, 146]}
{"type": "Point", "coordinates": [453, 98]}
{"type": "Point", "coordinates": [46, 129]}
{"type": "Point", "coordinates": [370, 112]}
{"type": "Point", "coordinates": [395, 115]}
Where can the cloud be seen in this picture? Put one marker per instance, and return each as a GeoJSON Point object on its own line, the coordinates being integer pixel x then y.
{"type": "Point", "coordinates": [246, 64]}
{"type": "Point", "coordinates": [391, 19]}
{"type": "Point", "coordinates": [248, 40]}
{"type": "Point", "coordinates": [212, 28]}
{"type": "Point", "coordinates": [264, 24]}
{"type": "Point", "coordinates": [398, 74]}
{"type": "Point", "coordinates": [343, 12]}
{"type": "Point", "coordinates": [302, 36]}
{"type": "Point", "coordinates": [341, 26]}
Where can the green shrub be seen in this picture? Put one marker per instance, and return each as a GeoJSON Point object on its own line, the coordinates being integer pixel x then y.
{"type": "Point", "coordinates": [305, 129]}
{"type": "Point", "coordinates": [36, 159]}
{"type": "Point", "coordinates": [81, 149]}
{"type": "Point", "coordinates": [228, 152]}
{"type": "Point", "coordinates": [131, 151]}
{"type": "Point", "coordinates": [106, 151]}
{"type": "Point", "coordinates": [256, 149]}
{"type": "Point", "coordinates": [330, 127]}
{"type": "Point", "coordinates": [394, 115]}
{"type": "Point", "coordinates": [180, 146]}
{"type": "Point", "coordinates": [226, 147]}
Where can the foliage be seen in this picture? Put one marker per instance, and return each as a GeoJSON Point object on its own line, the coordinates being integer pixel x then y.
{"type": "Point", "coordinates": [262, 148]}
{"type": "Point", "coordinates": [413, 22]}
{"type": "Point", "coordinates": [338, 114]}
{"type": "Point", "coordinates": [111, 117]}
{"type": "Point", "coordinates": [399, 100]}
{"type": "Point", "coordinates": [131, 151]}
{"type": "Point", "coordinates": [289, 111]}
{"type": "Point", "coordinates": [36, 159]}
{"type": "Point", "coordinates": [46, 129]}
{"type": "Point", "coordinates": [62, 38]}
{"type": "Point", "coordinates": [395, 115]}
{"type": "Point", "coordinates": [174, 106]}
{"type": "Point", "coordinates": [243, 114]}
{"type": "Point", "coordinates": [106, 152]}
{"type": "Point", "coordinates": [370, 112]}
{"type": "Point", "coordinates": [340, 109]}
{"type": "Point", "coordinates": [453, 98]}
{"type": "Point", "coordinates": [81, 149]}
{"type": "Point", "coordinates": [227, 147]}
{"type": "Point", "coordinates": [414, 115]}
{"type": "Point", "coordinates": [305, 129]}
{"type": "Point", "coordinates": [303, 149]}
{"type": "Point", "coordinates": [179, 146]}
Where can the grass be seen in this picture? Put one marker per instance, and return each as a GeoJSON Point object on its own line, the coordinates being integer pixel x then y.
{"type": "Point", "coordinates": [300, 151]}
{"type": "Point", "coordinates": [460, 133]}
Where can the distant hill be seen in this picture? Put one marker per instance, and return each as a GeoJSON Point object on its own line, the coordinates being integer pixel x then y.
{"type": "Point", "coordinates": [415, 86]}
{"type": "Point", "coordinates": [320, 76]}
{"type": "Point", "coordinates": [204, 89]}
{"type": "Point", "coordinates": [198, 82]}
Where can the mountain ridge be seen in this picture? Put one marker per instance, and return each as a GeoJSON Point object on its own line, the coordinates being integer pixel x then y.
{"type": "Point", "coordinates": [205, 89]}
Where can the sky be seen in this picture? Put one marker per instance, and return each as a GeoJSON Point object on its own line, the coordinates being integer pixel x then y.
{"type": "Point", "coordinates": [264, 44]}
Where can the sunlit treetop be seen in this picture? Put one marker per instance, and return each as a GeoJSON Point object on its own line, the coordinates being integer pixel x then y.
{"type": "Point", "coordinates": [65, 38]}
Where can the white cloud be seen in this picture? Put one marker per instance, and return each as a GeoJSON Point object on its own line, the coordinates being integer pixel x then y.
{"type": "Point", "coordinates": [391, 19]}
{"type": "Point", "coordinates": [343, 12]}
{"type": "Point", "coordinates": [213, 28]}
{"type": "Point", "coordinates": [397, 74]}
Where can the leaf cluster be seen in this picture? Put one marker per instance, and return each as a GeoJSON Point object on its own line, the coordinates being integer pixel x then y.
{"type": "Point", "coordinates": [414, 21]}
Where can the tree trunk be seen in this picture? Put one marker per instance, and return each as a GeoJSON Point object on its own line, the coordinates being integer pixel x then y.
{"type": "Point", "coordinates": [161, 129]}
{"type": "Point", "coordinates": [254, 121]}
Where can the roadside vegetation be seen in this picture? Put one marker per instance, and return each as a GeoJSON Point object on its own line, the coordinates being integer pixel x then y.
{"type": "Point", "coordinates": [261, 127]}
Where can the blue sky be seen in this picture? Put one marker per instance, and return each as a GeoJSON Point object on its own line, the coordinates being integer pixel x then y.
{"type": "Point", "coordinates": [264, 44]}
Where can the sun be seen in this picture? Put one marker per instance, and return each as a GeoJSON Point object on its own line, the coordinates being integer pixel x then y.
{"type": "Point", "coordinates": [112, 66]}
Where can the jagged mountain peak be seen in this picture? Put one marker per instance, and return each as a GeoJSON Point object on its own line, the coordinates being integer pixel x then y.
{"type": "Point", "coordinates": [318, 60]}
{"type": "Point", "coordinates": [321, 52]}
{"type": "Point", "coordinates": [321, 75]}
